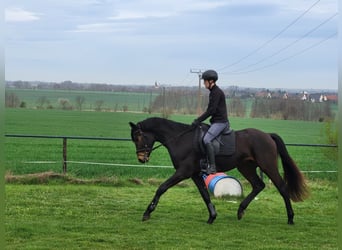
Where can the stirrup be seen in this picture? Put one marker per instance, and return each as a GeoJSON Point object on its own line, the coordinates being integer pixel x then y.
{"type": "Point", "coordinates": [211, 170]}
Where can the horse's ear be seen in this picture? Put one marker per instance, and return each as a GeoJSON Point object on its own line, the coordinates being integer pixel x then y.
{"type": "Point", "coordinates": [132, 125]}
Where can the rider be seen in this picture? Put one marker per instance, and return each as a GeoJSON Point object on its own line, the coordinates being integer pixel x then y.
{"type": "Point", "coordinates": [217, 110]}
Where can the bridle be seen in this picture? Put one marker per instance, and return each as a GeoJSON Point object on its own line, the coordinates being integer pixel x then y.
{"type": "Point", "coordinates": [146, 149]}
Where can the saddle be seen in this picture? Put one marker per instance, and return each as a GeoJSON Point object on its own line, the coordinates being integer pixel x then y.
{"type": "Point", "coordinates": [224, 144]}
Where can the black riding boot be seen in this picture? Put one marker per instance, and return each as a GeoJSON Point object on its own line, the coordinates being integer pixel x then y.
{"type": "Point", "coordinates": [211, 158]}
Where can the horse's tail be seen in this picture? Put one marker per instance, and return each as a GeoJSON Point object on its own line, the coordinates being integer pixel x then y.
{"type": "Point", "coordinates": [294, 179]}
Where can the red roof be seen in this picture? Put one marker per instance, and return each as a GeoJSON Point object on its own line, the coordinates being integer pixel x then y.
{"type": "Point", "coordinates": [332, 97]}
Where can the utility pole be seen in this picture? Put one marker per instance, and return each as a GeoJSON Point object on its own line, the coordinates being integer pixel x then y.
{"type": "Point", "coordinates": [156, 86]}
{"type": "Point", "coordinates": [199, 73]}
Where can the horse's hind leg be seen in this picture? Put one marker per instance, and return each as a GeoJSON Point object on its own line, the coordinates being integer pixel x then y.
{"type": "Point", "coordinates": [248, 170]}
{"type": "Point", "coordinates": [281, 186]}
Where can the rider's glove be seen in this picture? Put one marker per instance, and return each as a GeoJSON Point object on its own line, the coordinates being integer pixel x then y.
{"type": "Point", "coordinates": [195, 123]}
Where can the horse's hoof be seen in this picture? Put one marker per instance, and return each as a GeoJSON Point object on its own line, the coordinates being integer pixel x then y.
{"type": "Point", "coordinates": [211, 220]}
{"type": "Point", "coordinates": [240, 214]}
{"type": "Point", "coordinates": [146, 217]}
{"type": "Point", "coordinates": [290, 222]}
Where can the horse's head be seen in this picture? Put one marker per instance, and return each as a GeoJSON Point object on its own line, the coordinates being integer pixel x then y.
{"type": "Point", "coordinates": [143, 142]}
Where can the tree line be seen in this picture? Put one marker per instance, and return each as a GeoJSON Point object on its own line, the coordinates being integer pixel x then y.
{"type": "Point", "coordinates": [185, 102]}
{"type": "Point", "coordinates": [291, 109]}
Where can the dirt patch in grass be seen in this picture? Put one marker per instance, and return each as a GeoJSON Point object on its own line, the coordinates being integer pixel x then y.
{"type": "Point", "coordinates": [52, 177]}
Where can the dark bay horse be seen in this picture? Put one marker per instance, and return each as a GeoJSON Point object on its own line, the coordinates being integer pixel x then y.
{"type": "Point", "coordinates": [254, 148]}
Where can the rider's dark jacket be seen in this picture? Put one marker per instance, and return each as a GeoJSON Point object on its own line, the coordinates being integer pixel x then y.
{"type": "Point", "coordinates": [217, 108]}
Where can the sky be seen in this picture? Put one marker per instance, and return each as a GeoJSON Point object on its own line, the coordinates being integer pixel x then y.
{"type": "Point", "coordinates": [251, 43]}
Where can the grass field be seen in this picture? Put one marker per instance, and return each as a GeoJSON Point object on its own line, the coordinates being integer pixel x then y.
{"type": "Point", "coordinates": [23, 155]}
{"type": "Point", "coordinates": [98, 217]}
{"type": "Point", "coordinates": [100, 206]}
{"type": "Point", "coordinates": [111, 100]}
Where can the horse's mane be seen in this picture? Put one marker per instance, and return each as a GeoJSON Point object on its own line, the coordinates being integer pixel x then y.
{"type": "Point", "coordinates": [160, 123]}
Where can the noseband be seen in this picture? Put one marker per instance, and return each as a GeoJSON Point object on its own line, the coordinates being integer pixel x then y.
{"type": "Point", "coordinates": [145, 149]}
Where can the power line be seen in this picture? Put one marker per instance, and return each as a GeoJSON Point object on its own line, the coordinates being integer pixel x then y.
{"type": "Point", "coordinates": [270, 40]}
{"type": "Point", "coordinates": [243, 69]}
{"type": "Point", "coordinates": [286, 58]}
{"type": "Point", "coordinates": [186, 78]}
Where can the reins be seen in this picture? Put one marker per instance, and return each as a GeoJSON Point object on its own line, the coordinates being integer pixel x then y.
{"type": "Point", "coordinates": [173, 138]}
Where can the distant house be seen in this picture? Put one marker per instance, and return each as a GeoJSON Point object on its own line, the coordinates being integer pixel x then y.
{"type": "Point", "coordinates": [332, 98]}
{"type": "Point", "coordinates": [305, 96]}
{"type": "Point", "coordinates": [317, 97]}
{"type": "Point", "coordinates": [263, 94]}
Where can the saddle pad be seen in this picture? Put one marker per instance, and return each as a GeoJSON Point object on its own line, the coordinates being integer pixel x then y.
{"type": "Point", "coordinates": [228, 147]}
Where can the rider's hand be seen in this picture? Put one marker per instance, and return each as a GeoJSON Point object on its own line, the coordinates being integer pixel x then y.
{"type": "Point", "coordinates": [195, 123]}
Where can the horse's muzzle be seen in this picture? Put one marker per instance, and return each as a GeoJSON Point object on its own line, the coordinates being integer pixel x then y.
{"type": "Point", "coordinates": [143, 157]}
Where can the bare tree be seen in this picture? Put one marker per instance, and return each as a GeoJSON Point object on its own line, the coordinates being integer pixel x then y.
{"type": "Point", "coordinates": [236, 107]}
{"type": "Point", "coordinates": [12, 100]}
{"type": "Point", "coordinates": [79, 102]}
{"type": "Point", "coordinates": [65, 103]}
{"type": "Point", "coordinates": [41, 101]}
{"type": "Point", "coordinates": [98, 105]}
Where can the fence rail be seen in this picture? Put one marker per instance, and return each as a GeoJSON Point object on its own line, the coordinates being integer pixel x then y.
{"type": "Point", "coordinates": [69, 137]}
{"type": "Point", "coordinates": [66, 137]}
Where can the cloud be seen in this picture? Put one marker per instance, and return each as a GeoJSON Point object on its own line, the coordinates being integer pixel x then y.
{"type": "Point", "coordinates": [129, 15]}
{"type": "Point", "coordinates": [166, 38]}
{"type": "Point", "coordinates": [100, 28]}
{"type": "Point", "coordinates": [14, 14]}
{"type": "Point", "coordinates": [164, 9]}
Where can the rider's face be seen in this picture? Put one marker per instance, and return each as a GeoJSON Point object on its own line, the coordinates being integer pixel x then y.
{"type": "Point", "coordinates": [206, 84]}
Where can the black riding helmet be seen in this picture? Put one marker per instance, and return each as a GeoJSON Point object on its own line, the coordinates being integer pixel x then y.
{"type": "Point", "coordinates": [210, 75]}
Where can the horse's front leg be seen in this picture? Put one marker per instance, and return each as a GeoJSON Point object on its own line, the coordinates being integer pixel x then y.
{"type": "Point", "coordinates": [173, 180]}
{"type": "Point", "coordinates": [198, 180]}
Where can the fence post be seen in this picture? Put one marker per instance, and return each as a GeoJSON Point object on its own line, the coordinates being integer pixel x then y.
{"type": "Point", "coordinates": [64, 155]}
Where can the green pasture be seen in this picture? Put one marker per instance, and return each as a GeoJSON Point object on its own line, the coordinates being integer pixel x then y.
{"type": "Point", "coordinates": [109, 217]}
{"type": "Point", "coordinates": [111, 100]}
{"type": "Point", "coordinates": [100, 206]}
{"type": "Point", "coordinates": [29, 155]}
